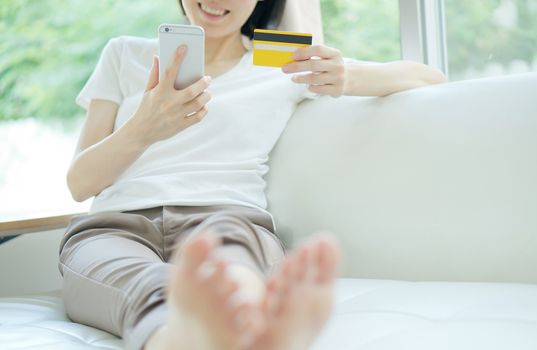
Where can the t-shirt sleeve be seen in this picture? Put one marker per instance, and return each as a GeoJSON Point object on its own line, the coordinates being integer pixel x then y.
{"type": "Point", "coordinates": [104, 81]}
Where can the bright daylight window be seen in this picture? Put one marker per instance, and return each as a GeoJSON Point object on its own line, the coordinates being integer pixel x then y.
{"type": "Point", "coordinates": [48, 49]}
{"type": "Point", "coordinates": [490, 37]}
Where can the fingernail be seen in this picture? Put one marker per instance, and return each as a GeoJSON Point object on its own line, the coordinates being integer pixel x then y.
{"type": "Point", "coordinates": [181, 49]}
{"type": "Point", "coordinates": [208, 78]}
{"type": "Point", "coordinates": [285, 69]}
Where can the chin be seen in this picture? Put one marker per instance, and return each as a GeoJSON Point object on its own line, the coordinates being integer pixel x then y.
{"type": "Point", "coordinates": [213, 32]}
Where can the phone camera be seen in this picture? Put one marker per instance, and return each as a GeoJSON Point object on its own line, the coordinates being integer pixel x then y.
{"type": "Point", "coordinates": [167, 29]}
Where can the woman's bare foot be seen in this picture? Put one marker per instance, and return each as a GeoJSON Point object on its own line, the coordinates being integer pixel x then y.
{"type": "Point", "coordinates": [202, 314]}
{"type": "Point", "coordinates": [299, 297]}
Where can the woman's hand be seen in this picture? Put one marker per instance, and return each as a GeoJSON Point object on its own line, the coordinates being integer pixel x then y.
{"type": "Point", "coordinates": [328, 77]}
{"type": "Point", "coordinates": [165, 111]}
{"type": "Point", "coordinates": [331, 76]}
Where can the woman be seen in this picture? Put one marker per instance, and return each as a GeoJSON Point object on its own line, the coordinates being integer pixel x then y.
{"type": "Point", "coordinates": [178, 250]}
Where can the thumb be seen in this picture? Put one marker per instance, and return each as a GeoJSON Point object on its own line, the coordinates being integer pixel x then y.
{"type": "Point", "coordinates": [153, 76]}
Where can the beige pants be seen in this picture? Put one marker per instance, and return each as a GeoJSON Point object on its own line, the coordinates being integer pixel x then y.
{"type": "Point", "coordinates": [115, 265]}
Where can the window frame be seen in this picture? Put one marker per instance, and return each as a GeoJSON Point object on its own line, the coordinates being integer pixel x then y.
{"type": "Point", "coordinates": [423, 32]}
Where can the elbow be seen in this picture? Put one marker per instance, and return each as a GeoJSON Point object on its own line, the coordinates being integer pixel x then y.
{"type": "Point", "coordinates": [424, 75]}
{"type": "Point", "coordinates": [432, 75]}
{"type": "Point", "coordinates": [75, 188]}
{"type": "Point", "coordinates": [436, 76]}
{"type": "Point", "coordinates": [415, 75]}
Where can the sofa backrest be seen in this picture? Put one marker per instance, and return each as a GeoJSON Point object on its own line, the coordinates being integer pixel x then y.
{"type": "Point", "coordinates": [434, 183]}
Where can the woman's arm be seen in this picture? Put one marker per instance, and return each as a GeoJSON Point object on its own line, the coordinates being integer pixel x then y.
{"type": "Point", "coordinates": [330, 75]}
{"type": "Point", "coordinates": [101, 155]}
{"type": "Point", "coordinates": [381, 79]}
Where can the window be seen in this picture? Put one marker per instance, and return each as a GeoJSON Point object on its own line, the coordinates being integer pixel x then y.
{"type": "Point", "coordinates": [365, 30]}
{"type": "Point", "coordinates": [490, 37]}
{"type": "Point", "coordinates": [470, 39]}
{"type": "Point", "coordinates": [48, 49]}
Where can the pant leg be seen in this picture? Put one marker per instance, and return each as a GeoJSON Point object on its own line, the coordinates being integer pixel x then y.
{"type": "Point", "coordinates": [114, 274]}
{"type": "Point", "coordinates": [247, 234]}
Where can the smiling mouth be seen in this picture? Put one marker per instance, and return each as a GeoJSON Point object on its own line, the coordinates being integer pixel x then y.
{"type": "Point", "coordinates": [212, 12]}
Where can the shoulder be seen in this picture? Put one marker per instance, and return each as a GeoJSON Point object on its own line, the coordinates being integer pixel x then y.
{"type": "Point", "coordinates": [132, 44]}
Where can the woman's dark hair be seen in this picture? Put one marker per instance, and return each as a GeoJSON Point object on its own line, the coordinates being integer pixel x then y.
{"type": "Point", "coordinates": [267, 14]}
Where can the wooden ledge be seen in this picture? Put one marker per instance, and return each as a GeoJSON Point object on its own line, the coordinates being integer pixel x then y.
{"type": "Point", "coordinates": [18, 227]}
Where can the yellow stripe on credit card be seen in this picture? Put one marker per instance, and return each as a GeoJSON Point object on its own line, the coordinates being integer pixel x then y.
{"type": "Point", "coordinates": [274, 48]}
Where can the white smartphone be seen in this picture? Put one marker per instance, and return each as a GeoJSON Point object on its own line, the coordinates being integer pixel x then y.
{"type": "Point", "coordinates": [171, 36]}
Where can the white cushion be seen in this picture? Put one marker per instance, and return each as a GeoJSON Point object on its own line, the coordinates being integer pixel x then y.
{"type": "Point", "coordinates": [39, 322]}
{"type": "Point", "coordinates": [369, 315]}
{"type": "Point", "coordinates": [435, 183]}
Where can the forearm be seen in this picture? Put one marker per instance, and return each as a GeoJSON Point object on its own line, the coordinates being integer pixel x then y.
{"type": "Point", "coordinates": [99, 165]}
{"type": "Point", "coordinates": [381, 79]}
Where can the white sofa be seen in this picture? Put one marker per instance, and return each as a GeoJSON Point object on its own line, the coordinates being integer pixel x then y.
{"type": "Point", "coordinates": [433, 194]}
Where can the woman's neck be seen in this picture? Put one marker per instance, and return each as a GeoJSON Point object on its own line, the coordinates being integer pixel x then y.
{"type": "Point", "coordinates": [220, 49]}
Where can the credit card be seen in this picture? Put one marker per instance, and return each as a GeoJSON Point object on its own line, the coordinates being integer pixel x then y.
{"type": "Point", "coordinates": [274, 48]}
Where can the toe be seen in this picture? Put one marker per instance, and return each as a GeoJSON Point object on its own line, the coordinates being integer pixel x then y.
{"type": "Point", "coordinates": [196, 250]}
{"type": "Point", "coordinates": [272, 295]}
{"type": "Point", "coordinates": [303, 264]}
{"type": "Point", "coordinates": [327, 260]}
{"type": "Point", "coordinates": [289, 273]}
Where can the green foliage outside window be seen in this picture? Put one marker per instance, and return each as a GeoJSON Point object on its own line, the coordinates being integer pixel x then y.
{"type": "Point", "coordinates": [481, 32]}
{"type": "Point", "coordinates": [48, 49]}
{"type": "Point", "coordinates": [365, 30]}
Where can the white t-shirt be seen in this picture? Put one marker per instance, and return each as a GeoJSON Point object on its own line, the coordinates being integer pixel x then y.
{"type": "Point", "coordinates": [221, 159]}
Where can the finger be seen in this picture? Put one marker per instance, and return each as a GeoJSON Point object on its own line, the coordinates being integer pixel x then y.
{"type": "Point", "coordinates": [153, 75]}
{"type": "Point", "coordinates": [304, 53]}
{"type": "Point", "coordinates": [198, 116]}
{"type": "Point", "coordinates": [197, 103]}
{"type": "Point", "coordinates": [313, 65]}
{"type": "Point", "coordinates": [191, 92]}
{"type": "Point", "coordinates": [315, 78]}
{"type": "Point", "coordinates": [175, 64]}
